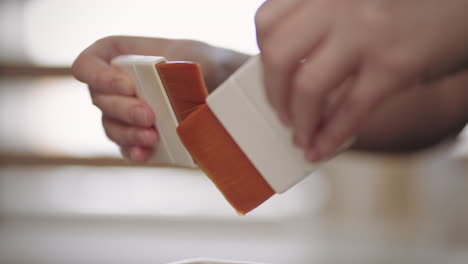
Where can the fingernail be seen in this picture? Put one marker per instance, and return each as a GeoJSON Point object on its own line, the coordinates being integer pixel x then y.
{"type": "Point", "coordinates": [122, 85]}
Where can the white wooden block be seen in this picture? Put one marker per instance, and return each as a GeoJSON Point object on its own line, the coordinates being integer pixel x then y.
{"type": "Point", "coordinates": [142, 69]}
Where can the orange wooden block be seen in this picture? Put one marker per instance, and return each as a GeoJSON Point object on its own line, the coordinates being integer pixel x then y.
{"type": "Point", "coordinates": [207, 140]}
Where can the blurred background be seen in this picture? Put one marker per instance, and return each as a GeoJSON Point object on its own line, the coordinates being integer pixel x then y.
{"type": "Point", "coordinates": [66, 196]}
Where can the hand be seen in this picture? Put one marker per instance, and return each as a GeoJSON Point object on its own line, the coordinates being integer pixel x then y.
{"type": "Point", "coordinates": [127, 120]}
{"type": "Point", "coordinates": [328, 64]}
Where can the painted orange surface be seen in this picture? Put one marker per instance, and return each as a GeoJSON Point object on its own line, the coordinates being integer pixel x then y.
{"type": "Point", "coordinates": [214, 150]}
{"type": "Point", "coordinates": [184, 85]}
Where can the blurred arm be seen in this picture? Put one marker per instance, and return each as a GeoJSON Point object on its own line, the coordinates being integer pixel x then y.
{"type": "Point", "coordinates": [418, 118]}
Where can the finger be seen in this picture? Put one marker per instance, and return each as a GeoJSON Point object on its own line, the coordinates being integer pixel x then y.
{"type": "Point", "coordinates": [330, 105]}
{"type": "Point", "coordinates": [314, 81]}
{"type": "Point", "coordinates": [136, 154]}
{"type": "Point", "coordinates": [371, 88]}
{"type": "Point", "coordinates": [93, 67]}
{"type": "Point", "coordinates": [337, 97]}
{"type": "Point", "coordinates": [271, 13]}
{"type": "Point", "coordinates": [282, 50]}
{"type": "Point", "coordinates": [125, 135]}
{"type": "Point", "coordinates": [126, 109]}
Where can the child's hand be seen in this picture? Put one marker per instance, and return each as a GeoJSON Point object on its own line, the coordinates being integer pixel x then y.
{"type": "Point", "coordinates": [127, 120]}
{"type": "Point", "coordinates": [353, 55]}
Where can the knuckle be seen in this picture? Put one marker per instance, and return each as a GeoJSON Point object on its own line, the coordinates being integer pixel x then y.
{"type": "Point", "coordinates": [139, 115]}
{"type": "Point", "coordinates": [135, 116]}
{"type": "Point", "coordinates": [100, 101]}
{"type": "Point", "coordinates": [399, 65]}
{"type": "Point", "coordinates": [400, 61]}
{"type": "Point", "coordinates": [262, 20]}
{"type": "Point", "coordinates": [76, 66]}
{"type": "Point", "coordinates": [303, 88]}
{"type": "Point", "coordinates": [115, 44]}
{"type": "Point", "coordinates": [95, 100]}
{"type": "Point", "coordinates": [103, 79]}
{"type": "Point", "coordinates": [109, 131]}
{"type": "Point", "coordinates": [376, 17]}
{"type": "Point", "coordinates": [269, 55]}
{"type": "Point", "coordinates": [274, 61]}
{"type": "Point", "coordinates": [132, 137]}
{"type": "Point", "coordinates": [105, 40]}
